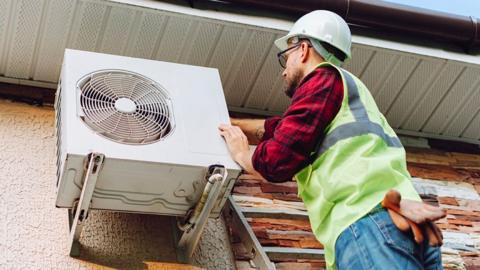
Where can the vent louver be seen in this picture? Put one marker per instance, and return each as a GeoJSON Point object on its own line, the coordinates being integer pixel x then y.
{"type": "Point", "coordinates": [125, 107]}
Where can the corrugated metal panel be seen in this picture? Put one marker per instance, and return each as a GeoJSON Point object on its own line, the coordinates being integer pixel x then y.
{"type": "Point", "coordinates": [363, 56]}
{"type": "Point", "coordinates": [200, 46]}
{"type": "Point", "coordinates": [279, 101]}
{"type": "Point", "coordinates": [247, 67]}
{"type": "Point", "coordinates": [430, 100]}
{"type": "Point", "coordinates": [174, 37]}
{"type": "Point", "coordinates": [228, 48]}
{"type": "Point", "coordinates": [117, 30]}
{"type": "Point", "coordinates": [472, 129]}
{"type": "Point", "coordinates": [427, 93]}
{"type": "Point", "coordinates": [58, 21]}
{"type": "Point", "coordinates": [23, 41]}
{"type": "Point", "coordinates": [88, 25]}
{"type": "Point", "coordinates": [5, 20]}
{"type": "Point", "coordinates": [469, 108]}
{"type": "Point", "coordinates": [264, 87]}
{"type": "Point", "coordinates": [414, 89]}
{"type": "Point", "coordinates": [146, 35]}
{"type": "Point", "coordinates": [377, 70]}
{"type": "Point", "coordinates": [453, 101]}
{"type": "Point", "coordinates": [395, 81]}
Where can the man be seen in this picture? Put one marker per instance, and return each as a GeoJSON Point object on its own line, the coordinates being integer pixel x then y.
{"type": "Point", "coordinates": [343, 154]}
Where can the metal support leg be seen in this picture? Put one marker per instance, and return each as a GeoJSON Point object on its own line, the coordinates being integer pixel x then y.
{"type": "Point", "coordinates": [78, 214]}
{"type": "Point", "coordinates": [190, 237]}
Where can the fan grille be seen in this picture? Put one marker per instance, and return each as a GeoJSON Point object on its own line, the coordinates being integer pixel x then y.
{"type": "Point", "coordinates": [125, 107]}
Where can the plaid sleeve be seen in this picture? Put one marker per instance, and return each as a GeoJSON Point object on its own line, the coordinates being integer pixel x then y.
{"type": "Point", "coordinates": [314, 105]}
{"type": "Point", "coordinates": [270, 125]}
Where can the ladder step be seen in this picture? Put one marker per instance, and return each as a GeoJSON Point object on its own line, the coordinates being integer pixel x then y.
{"type": "Point", "coordinates": [280, 253]}
{"type": "Point", "coordinates": [256, 212]}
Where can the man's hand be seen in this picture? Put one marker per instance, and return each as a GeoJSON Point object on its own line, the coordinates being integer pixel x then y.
{"type": "Point", "coordinates": [237, 144]}
{"type": "Point", "coordinates": [252, 128]}
{"type": "Point", "coordinates": [412, 215]}
{"type": "Point", "coordinates": [236, 140]}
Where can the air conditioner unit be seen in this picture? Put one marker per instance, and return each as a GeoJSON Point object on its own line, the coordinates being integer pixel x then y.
{"type": "Point", "coordinates": [144, 134]}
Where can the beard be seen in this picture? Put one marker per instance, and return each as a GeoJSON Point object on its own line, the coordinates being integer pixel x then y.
{"type": "Point", "coordinates": [292, 83]}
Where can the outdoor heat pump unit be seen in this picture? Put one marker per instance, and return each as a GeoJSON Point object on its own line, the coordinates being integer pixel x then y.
{"type": "Point", "coordinates": [141, 136]}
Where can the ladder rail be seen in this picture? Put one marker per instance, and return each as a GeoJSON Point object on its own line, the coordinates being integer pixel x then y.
{"type": "Point", "coordinates": [238, 221]}
{"type": "Point", "coordinates": [262, 256]}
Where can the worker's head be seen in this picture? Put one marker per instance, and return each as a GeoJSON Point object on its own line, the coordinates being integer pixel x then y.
{"type": "Point", "coordinates": [316, 37]}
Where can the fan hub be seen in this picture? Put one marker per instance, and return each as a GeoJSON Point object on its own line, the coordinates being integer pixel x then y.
{"type": "Point", "coordinates": [125, 105]}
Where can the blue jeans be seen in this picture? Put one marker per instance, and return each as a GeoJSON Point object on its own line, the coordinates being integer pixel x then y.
{"type": "Point", "coordinates": [373, 242]}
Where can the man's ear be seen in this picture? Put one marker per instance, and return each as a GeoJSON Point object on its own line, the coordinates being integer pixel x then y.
{"type": "Point", "coordinates": [305, 52]}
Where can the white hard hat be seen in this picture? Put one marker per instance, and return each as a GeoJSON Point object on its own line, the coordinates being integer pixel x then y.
{"type": "Point", "coordinates": [321, 25]}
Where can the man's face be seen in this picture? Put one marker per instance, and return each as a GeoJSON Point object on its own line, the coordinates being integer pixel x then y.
{"type": "Point", "coordinates": [292, 73]}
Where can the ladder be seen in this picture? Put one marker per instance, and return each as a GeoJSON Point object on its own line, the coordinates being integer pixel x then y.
{"type": "Point", "coordinates": [262, 256]}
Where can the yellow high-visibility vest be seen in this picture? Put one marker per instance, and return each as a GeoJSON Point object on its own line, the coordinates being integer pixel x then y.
{"type": "Point", "coordinates": [358, 161]}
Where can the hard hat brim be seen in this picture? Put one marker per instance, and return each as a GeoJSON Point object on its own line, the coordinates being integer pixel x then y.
{"type": "Point", "coordinates": [282, 43]}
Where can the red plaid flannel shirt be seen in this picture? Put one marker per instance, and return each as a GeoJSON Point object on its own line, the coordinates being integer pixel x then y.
{"type": "Point", "coordinates": [289, 139]}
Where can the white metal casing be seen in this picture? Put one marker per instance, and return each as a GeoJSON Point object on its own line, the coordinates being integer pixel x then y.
{"type": "Point", "coordinates": [165, 177]}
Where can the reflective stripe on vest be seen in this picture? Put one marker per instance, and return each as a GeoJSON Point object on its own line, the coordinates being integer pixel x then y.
{"type": "Point", "coordinates": [361, 126]}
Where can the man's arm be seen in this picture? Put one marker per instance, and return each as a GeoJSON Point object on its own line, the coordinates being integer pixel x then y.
{"type": "Point", "coordinates": [301, 127]}
{"type": "Point", "coordinates": [237, 143]}
{"type": "Point", "coordinates": [252, 128]}
{"type": "Point", "coordinates": [289, 140]}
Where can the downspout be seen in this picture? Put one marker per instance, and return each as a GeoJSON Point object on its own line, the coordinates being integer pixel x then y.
{"type": "Point", "coordinates": [376, 14]}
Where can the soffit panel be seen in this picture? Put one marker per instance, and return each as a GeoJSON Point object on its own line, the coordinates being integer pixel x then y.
{"type": "Point", "coordinates": [433, 96]}
{"type": "Point", "coordinates": [117, 31]}
{"type": "Point", "coordinates": [422, 90]}
{"type": "Point", "coordinates": [53, 39]}
{"type": "Point", "coordinates": [25, 30]}
{"type": "Point", "coordinates": [88, 26]}
{"type": "Point", "coordinates": [453, 101]}
{"type": "Point", "coordinates": [264, 87]}
{"type": "Point", "coordinates": [467, 112]}
{"type": "Point", "coordinates": [416, 86]}
{"type": "Point", "coordinates": [5, 25]}
{"type": "Point", "coordinates": [146, 35]}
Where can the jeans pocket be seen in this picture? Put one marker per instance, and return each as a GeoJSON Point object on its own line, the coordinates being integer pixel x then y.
{"type": "Point", "coordinates": [393, 236]}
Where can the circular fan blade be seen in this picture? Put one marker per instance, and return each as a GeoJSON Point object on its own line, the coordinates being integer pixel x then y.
{"type": "Point", "coordinates": [125, 107]}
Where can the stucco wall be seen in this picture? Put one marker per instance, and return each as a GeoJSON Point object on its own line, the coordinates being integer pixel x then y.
{"type": "Point", "coordinates": [33, 233]}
